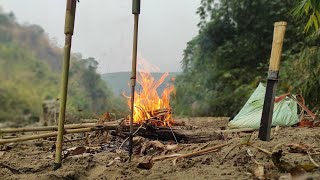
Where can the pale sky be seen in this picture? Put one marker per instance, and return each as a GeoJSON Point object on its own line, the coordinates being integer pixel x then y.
{"type": "Point", "coordinates": [103, 29]}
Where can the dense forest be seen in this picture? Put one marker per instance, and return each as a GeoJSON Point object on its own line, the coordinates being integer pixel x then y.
{"type": "Point", "coordinates": [224, 63]}
{"type": "Point", "coordinates": [30, 74]}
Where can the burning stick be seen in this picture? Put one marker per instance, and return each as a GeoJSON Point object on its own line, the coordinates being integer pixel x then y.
{"type": "Point", "coordinates": [136, 12]}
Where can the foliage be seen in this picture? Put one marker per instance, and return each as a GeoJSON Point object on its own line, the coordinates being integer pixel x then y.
{"type": "Point", "coordinates": [30, 73]}
{"type": "Point", "coordinates": [229, 57]}
{"type": "Point", "coordinates": [310, 9]}
{"type": "Point", "coordinates": [302, 75]}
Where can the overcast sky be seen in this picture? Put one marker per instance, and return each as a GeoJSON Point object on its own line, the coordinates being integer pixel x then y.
{"type": "Point", "coordinates": [103, 29]}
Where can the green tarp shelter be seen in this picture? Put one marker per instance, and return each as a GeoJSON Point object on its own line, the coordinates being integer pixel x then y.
{"type": "Point", "coordinates": [284, 112]}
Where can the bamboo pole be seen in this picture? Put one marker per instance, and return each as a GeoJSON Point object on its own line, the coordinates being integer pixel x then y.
{"type": "Point", "coordinates": [55, 128]}
{"type": "Point", "coordinates": [136, 12]}
{"type": "Point", "coordinates": [45, 128]}
{"type": "Point", "coordinates": [68, 31]}
{"type": "Point", "coordinates": [51, 134]}
{"type": "Point", "coordinates": [163, 133]}
{"type": "Point", "coordinates": [115, 124]}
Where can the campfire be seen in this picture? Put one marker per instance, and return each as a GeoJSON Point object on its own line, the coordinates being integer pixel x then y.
{"type": "Point", "coordinates": [149, 107]}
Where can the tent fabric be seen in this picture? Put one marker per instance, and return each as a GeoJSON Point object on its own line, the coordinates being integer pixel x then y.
{"type": "Point", "coordinates": [284, 112]}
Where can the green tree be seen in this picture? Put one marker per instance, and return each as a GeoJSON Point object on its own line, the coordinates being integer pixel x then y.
{"type": "Point", "coordinates": [229, 56]}
{"type": "Point", "coordinates": [309, 10]}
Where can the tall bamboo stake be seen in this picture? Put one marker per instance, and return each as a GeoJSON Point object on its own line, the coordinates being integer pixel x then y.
{"type": "Point", "coordinates": [135, 12]}
{"type": "Point", "coordinates": [68, 31]}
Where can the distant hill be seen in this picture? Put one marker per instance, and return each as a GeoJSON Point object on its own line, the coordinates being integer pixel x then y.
{"type": "Point", "coordinates": [118, 81]}
{"type": "Point", "coordinates": [30, 74]}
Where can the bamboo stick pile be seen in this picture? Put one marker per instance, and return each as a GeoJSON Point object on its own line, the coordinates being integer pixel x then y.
{"type": "Point", "coordinates": [68, 129]}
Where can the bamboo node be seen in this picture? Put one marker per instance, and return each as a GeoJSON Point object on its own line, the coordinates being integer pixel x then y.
{"type": "Point", "coordinates": [280, 23]}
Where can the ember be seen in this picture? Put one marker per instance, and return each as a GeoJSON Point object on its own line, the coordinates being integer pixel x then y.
{"type": "Point", "coordinates": [149, 106]}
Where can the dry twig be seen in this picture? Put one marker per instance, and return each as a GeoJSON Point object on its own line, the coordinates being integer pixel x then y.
{"type": "Point", "coordinates": [312, 160]}
{"type": "Point", "coordinates": [197, 153]}
{"type": "Point", "coordinates": [228, 152]}
{"type": "Point", "coordinates": [261, 149]}
{"type": "Point", "coordinates": [128, 137]}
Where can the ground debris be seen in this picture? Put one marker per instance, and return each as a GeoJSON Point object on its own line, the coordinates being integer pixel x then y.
{"type": "Point", "coordinates": [103, 162]}
{"type": "Point", "coordinates": [299, 148]}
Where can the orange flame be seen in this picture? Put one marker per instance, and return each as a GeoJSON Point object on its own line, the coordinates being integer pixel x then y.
{"type": "Point", "coordinates": [148, 102]}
